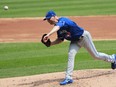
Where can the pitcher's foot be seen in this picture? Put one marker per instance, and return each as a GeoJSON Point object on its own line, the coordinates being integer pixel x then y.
{"type": "Point", "coordinates": [113, 65]}
{"type": "Point", "coordinates": [66, 81]}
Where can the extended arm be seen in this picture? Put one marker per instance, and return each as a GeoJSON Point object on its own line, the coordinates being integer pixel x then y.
{"type": "Point", "coordinates": [48, 42]}
{"type": "Point", "coordinates": [55, 29]}
{"type": "Point", "coordinates": [45, 39]}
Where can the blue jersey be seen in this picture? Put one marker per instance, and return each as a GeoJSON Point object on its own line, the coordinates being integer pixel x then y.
{"type": "Point", "coordinates": [69, 30]}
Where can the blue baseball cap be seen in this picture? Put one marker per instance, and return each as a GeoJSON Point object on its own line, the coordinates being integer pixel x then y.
{"type": "Point", "coordinates": [49, 14]}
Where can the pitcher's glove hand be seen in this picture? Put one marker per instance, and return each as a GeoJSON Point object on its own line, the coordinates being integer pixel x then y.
{"type": "Point", "coordinates": [45, 42]}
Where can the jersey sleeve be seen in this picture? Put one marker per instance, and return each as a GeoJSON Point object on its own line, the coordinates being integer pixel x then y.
{"type": "Point", "coordinates": [60, 23]}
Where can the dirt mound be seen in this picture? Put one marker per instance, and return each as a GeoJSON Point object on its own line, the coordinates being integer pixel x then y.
{"type": "Point", "coordinates": [82, 78]}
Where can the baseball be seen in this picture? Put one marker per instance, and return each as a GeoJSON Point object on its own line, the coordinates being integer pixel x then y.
{"type": "Point", "coordinates": [5, 7]}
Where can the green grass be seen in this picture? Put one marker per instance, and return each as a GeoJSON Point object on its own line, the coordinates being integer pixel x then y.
{"type": "Point", "coordinates": [22, 59]}
{"type": "Point", "coordinates": [36, 8]}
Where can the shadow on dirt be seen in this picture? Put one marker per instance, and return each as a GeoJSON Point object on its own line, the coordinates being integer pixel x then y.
{"type": "Point", "coordinates": [41, 82]}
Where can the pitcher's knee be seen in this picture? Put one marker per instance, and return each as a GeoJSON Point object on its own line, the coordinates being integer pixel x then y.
{"type": "Point", "coordinates": [71, 54]}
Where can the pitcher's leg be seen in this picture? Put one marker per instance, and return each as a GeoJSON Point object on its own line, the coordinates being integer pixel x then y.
{"type": "Point", "coordinates": [89, 45]}
{"type": "Point", "coordinates": [71, 57]}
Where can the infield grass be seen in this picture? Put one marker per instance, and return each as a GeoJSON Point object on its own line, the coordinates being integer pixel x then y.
{"type": "Point", "coordinates": [23, 59]}
{"type": "Point", "coordinates": [38, 8]}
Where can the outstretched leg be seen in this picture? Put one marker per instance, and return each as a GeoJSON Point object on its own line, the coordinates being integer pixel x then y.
{"type": "Point", "coordinates": [89, 45]}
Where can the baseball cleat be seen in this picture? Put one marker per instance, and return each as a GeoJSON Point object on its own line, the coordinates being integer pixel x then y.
{"type": "Point", "coordinates": [66, 81]}
{"type": "Point", "coordinates": [113, 65]}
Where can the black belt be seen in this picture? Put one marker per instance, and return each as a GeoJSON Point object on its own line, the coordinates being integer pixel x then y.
{"type": "Point", "coordinates": [77, 39]}
{"type": "Point", "coordinates": [81, 37]}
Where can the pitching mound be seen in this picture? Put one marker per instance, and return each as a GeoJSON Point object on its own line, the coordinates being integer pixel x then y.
{"type": "Point", "coordinates": [82, 78]}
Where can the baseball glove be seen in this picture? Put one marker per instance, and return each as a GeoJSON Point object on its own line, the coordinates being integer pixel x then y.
{"type": "Point", "coordinates": [47, 43]}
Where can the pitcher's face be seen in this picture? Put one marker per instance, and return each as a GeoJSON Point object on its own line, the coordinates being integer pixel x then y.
{"type": "Point", "coordinates": [51, 20]}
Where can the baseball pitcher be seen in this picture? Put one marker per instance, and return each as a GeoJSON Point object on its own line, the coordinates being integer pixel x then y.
{"type": "Point", "coordinates": [78, 37]}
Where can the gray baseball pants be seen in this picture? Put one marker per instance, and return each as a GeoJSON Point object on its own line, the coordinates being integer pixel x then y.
{"type": "Point", "coordinates": [88, 44]}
